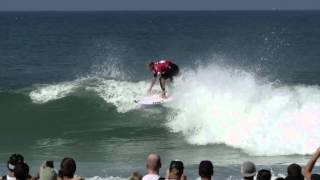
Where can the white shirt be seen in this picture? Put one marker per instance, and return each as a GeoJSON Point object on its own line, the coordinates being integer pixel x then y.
{"type": "Point", "coordinates": [151, 177]}
{"type": "Point", "coordinates": [10, 178]}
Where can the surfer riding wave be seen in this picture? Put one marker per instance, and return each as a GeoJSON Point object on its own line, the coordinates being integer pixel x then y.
{"type": "Point", "coordinates": [164, 69]}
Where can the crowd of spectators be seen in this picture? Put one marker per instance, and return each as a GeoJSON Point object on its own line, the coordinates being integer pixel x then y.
{"type": "Point", "coordinates": [18, 169]}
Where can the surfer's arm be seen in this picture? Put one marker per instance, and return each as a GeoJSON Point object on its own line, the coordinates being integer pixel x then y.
{"type": "Point", "coordinates": [153, 81]}
{"type": "Point", "coordinates": [308, 169]}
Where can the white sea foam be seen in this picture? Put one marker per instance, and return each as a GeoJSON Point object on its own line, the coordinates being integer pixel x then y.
{"type": "Point", "coordinates": [47, 93]}
{"type": "Point", "coordinates": [107, 80]}
{"type": "Point", "coordinates": [122, 94]}
{"type": "Point", "coordinates": [224, 105]}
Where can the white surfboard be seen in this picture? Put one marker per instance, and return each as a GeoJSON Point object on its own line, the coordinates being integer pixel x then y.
{"type": "Point", "coordinates": [155, 99]}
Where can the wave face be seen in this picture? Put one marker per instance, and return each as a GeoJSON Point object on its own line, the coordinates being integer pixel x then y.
{"type": "Point", "coordinates": [226, 105]}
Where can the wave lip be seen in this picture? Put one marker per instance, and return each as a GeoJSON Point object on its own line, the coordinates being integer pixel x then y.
{"type": "Point", "coordinates": [122, 94]}
{"type": "Point", "coordinates": [48, 93]}
{"type": "Point", "coordinates": [107, 80]}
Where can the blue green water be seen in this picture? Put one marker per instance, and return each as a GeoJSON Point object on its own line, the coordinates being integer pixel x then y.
{"type": "Point", "coordinates": [68, 81]}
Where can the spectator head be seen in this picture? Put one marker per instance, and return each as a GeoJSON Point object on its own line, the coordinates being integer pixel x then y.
{"type": "Point", "coordinates": [248, 170]}
{"type": "Point", "coordinates": [264, 174]}
{"type": "Point", "coordinates": [67, 168]}
{"type": "Point", "coordinates": [315, 177]}
{"type": "Point", "coordinates": [135, 176]}
{"type": "Point", "coordinates": [153, 162]}
{"type": "Point", "coordinates": [206, 169]}
{"type": "Point", "coordinates": [47, 173]}
{"type": "Point", "coordinates": [21, 171]}
{"type": "Point", "coordinates": [14, 159]}
{"type": "Point", "coordinates": [176, 169]}
{"type": "Point", "coordinates": [279, 178]}
{"type": "Point", "coordinates": [294, 172]}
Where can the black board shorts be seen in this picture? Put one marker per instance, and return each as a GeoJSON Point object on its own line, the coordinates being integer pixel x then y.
{"type": "Point", "coordinates": [172, 71]}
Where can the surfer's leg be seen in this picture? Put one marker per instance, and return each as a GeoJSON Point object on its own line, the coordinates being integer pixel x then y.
{"type": "Point", "coordinates": [163, 86]}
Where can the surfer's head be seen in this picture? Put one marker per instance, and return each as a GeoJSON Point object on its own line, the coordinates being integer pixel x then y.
{"type": "Point", "coordinates": [150, 65]}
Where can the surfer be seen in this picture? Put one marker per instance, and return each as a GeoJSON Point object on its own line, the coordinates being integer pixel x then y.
{"type": "Point", "coordinates": [164, 69]}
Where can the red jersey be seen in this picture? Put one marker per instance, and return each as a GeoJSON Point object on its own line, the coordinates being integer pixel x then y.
{"type": "Point", "coordinates": [161, 66]}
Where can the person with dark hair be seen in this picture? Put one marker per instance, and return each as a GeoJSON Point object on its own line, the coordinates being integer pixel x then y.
{"type": "Point", "coordinates": [164, 69]}
{"type": "Point", "coordinates": [264, 174]}
{"type": "Point", "coordinates": [153, 165]}
{"type": "Point", "coordinates": [248, 170]}
{"type": "Point", "coordinates": [308, 169]}
{"type": "Point", "coordinates": [205, 170]}
{"type": "Point", "coordinates": [14, 159]}
{"type": "Point", "coordinates": [176, 171]}
{"type": "Point", "coordinates": [21, 171]}
{"type": "Point", "coordinates": [67, 169]}
{"type": "Point", "coordinates": [279, 178]}
{"type": "Point", "coordinates": [294, 172]}
{"type": "Point", "coordinates": [315, 177]}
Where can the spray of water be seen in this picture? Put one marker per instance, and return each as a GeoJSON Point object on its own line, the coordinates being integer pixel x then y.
{"type": "Point", "coordinates": [224, 105]}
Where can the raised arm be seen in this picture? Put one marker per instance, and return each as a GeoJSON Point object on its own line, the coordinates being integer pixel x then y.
{"type": "Point", "coordinates": [308, 169]}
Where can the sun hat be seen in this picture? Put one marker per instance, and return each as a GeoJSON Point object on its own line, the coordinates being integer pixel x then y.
{"type": "Point", "coordinates": [248, 169]}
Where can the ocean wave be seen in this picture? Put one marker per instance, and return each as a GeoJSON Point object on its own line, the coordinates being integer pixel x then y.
{"type": "Point", "coordinates": [214, 104]}
{"type": "Point", "coordinates": [107, 80]}
{"type": "Point", "coordinates": [122, 94]}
